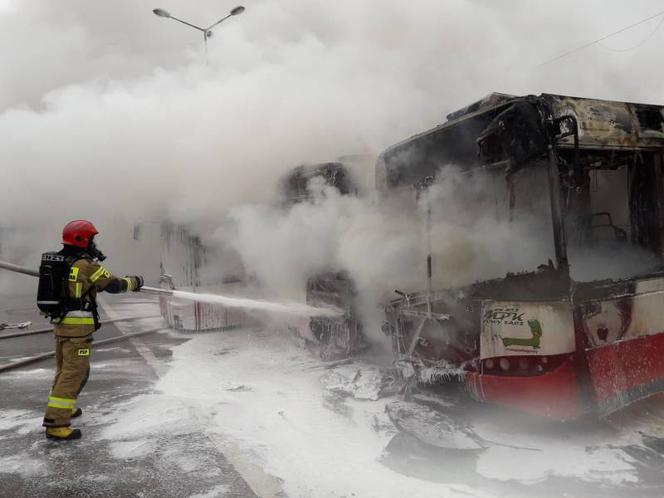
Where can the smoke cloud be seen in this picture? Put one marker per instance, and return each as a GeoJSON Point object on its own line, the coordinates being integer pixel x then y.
{"type": "Point", "coordinates": [110, 113]}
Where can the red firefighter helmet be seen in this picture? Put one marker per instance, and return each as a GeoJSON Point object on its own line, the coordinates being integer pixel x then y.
{"type": "Point", "coordinates": [78, 233]}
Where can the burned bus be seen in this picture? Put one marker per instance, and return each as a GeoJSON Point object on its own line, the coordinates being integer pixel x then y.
{"type": "Point", "coordinates": [329, 337]}
{"type": "Point", "coordinates": [553, 301]}
{"type": "Point", "coordinates": [188, 264]}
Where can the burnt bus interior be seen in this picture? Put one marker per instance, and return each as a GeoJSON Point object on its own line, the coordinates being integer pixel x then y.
{"type": "Point", "coordinates": [587, 174]}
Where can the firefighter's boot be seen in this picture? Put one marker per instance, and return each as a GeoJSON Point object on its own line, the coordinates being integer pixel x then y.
{"type": "Point", "coordinates": [76, 413]}
{"type": "Point", "coordinates": [63, 433]}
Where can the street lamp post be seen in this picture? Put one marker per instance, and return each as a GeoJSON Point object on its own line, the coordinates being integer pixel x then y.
{"type": "Point", "coordinates": [207, 32]}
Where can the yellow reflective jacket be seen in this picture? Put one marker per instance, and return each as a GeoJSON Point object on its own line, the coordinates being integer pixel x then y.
{"type": "Point", "coordinates": [86, 278]}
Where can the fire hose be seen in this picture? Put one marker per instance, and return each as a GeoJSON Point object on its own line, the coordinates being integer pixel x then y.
{"type": "Point", "coordinates": [300, 309]}
{"type": "Point", "coordinates": [28, 271]}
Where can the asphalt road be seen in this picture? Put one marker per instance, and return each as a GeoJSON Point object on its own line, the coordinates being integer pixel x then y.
{"type": "Point", "coordinates": [143, 442]}
{"type": "Point", "coordinates": [185, 463]}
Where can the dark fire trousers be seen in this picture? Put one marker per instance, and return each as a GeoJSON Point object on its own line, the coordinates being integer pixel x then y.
{"type": "Point", "coordinates": [72, 355]}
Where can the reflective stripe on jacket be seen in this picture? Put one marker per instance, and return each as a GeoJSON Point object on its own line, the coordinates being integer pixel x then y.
{"type": "Point", "coordinates": [86, 278]}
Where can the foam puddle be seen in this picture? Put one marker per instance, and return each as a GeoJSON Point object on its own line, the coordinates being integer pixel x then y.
{"type": "Point", "coordinates": [299, 309]}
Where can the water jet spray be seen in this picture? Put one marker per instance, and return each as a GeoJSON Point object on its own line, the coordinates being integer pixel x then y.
{"type": "Point", "coordinates": [231, 302]}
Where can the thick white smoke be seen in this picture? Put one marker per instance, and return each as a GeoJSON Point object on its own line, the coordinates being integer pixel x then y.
{"type": "Point", "coordinates": [381, 243]}
{"type": "Point", "coordinates": [110, 113]}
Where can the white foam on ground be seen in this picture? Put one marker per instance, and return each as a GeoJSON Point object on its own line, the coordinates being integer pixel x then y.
{"type": "Point", "coordinates": [131, 449]}
{"type": "Point", "coordinates": [147, 415]}
{"type": "Point", "coordinates": [282, 421]}
{"type": "Point", "coordinates": [352, 380]}
{"type": "Point", "coordinates": [23, 465]}
{"type": "Point", "coordinates": [19, 421]}
{"type": "Point", "coordinates": [261, 393]}
{"type": "Point", "coordinates": [562, 459]}
{"type": "Point", "coordinates": [432, 427]}
{"type": "Point", "coordinates": [531, 454]}
{"type": "Point", "coordinates": [215, 492]}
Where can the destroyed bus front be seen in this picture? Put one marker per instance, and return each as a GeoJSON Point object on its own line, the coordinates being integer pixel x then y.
{"type": "Point", "coordinates": [546, 221]}
{"type": "Point", "coordinates": [330, 337]}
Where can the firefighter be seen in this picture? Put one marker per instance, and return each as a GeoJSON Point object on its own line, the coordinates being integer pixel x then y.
{"type": "Point", "coordinates": [77, 321]}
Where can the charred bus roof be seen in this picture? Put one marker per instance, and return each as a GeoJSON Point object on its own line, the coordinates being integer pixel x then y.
{"type": "Point", "coordinates": [514, 130]}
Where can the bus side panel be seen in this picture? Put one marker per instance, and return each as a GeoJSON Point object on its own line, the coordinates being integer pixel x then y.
{"type": "Point", "coordinates": [626, 371]}
{"type": "Point", "coordinates": [626, 338]}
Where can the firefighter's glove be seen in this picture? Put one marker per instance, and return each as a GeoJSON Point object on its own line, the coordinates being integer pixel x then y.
{"type": "Point", "coordinates": [137, 282]}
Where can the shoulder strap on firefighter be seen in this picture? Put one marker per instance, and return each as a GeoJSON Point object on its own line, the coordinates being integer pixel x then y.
{"type": "Point", "coordinates": [86, 302]}
{"type": "Point", "coordinates": [80, 301]}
